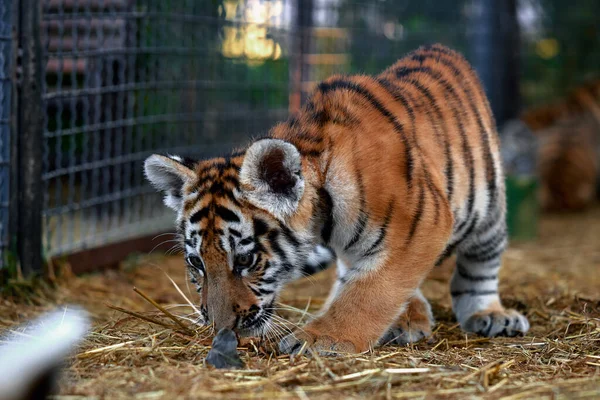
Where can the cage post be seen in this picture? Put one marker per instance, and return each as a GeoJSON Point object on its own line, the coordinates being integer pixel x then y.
{"type": "Point", "coordinates": [7, 56]}
{"type": "Point", "coordinates": [30, 125]}
{"type": "Point", "coordinates": [301, 37]}
{"type": "Point", "coordinates": [495, 43]}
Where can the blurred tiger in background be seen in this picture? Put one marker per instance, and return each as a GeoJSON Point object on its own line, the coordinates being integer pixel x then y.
{"type": "Point", "coordinates": [568, 164]}
{"type": "Point", "coordinates": [568, 152]}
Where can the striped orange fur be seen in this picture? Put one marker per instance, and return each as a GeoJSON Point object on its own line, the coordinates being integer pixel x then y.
{"type": "Point", "coordinates": [390, 174]}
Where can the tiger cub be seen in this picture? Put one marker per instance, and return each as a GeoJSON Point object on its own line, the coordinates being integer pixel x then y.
{"type": "Point", "coordinates": [569, 164]}
{"type": "Point", "coordinates": [394, 173]}
{"type": "Point", "coordinates": [568, 149]}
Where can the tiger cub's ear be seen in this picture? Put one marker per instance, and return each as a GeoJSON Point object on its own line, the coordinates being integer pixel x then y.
{"type": "Point", "coordinates": [169, 174]}
{"type": "Point", "coordinates": [271, 176]}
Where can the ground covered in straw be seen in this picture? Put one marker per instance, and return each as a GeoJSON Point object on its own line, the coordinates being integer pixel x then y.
{"type": "Point", "coordinates": [135, 351]}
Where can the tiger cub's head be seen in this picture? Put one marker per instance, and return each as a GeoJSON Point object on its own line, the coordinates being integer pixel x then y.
{"type": "Point", "coordinates": [245, 225]}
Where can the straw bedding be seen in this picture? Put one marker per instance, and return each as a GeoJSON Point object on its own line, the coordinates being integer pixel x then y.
{"type": "Point", "coordinates": [139, 351]}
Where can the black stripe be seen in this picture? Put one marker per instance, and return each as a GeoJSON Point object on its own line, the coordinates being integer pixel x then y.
{"type": "Point", "coordinates": [452, 246]}
{"type": "Point", "coordinates": [492, 221]}
{"type": "Point", "coordinates": [363, 217]}
{"type": "Point", "coordinates": [289, 235]}
{"type": "Point", "coordinates": [256, 264]}
{"type": "Point", "coordinates": [311, 269]}
{"type": "Point", "coordinates": [326, 203]}
{"type": "Point", "coordinates": [445, 254]}
{"type": "Point", "coordinates": [473, 292]}
{"type": "Point", "coordinates": [479, 87]}
{"type": "Point", "coordinates": [398, 96]}
{"type": "Point", "coordinates": [246, 241]}
{"type": "Point", "coordinates": [309, 153]}
{"type": "Point", "coordinates": [468, 155]}
{"type": "Point", "coordinates": [485, 248]}
{"type": "Point", "coordinates": [199, 215]}
{"type": "Point", "coordinates": [260, 227]}
{"type": "Point", "coordinates": [319, 117]}
{"type": "Point", "coordinates": [217, 189]}
{"type": "Point", "coordinates": [238, 153]}
{"type": "Point", "coordinates": [292, 121]}
{"type": "Point", "coordinates": [286, 267]}
{"type": "Point", "coordinates": [230, 179]}
{"type": "Point", "coordinates": [307, 136]}
{"type": "Point", "coordinates": [418, 214]}
{"type": "Point", "coordinates": [382, 232]}
{"type": "Point", "coordinates": [269, 281]}
{"type": "Point", "coordinates": [434, 193]}
{"type": "Point", "coordinates": [226, 214]}
{"type": "Point", "coordinates": [474, 278]}
{"type": "Point", "coordinates": [181, 227]}
{"type": "Point", "coordinates": [326, 87]}
{"type": "Point", "coordinates": [346, 119]}
{"type": "Point", "coordinates": [489, 161]}
{"type": "Point", "coordinates": [485, 256]}
{"type": "Point", "coordinates": [449, 164]}
{"type": "Point", "coordinates": [469, 230]}
{"type": "Point", "coordinates": [231, 241]}
{"type": "Point", "coordinates": [275, 247]}
{"type": "Point", "coordinates": [235, 232]}
{"type": "Point", "coordinates": [265, 292]}
{"type": "Point", "coordinates": [187, 162]}
{"type": "Point", "coordinates": [258, 248]}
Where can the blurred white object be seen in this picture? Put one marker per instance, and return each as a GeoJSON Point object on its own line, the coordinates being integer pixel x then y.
{"type": "Point", "coordinates": [31, 356]}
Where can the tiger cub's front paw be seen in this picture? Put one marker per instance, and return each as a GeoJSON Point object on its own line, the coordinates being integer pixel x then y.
{"type": "Point", "coordinates": [324, 343]}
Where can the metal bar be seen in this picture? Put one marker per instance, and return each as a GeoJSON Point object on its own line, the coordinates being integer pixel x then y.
{"type": "Point", "coordinates": [164, 85]}
{"type": "Point", "coordinates": [495, 47]}
{"type": "Point", "coordinates": [108, 256]}
{"type": "Point", "coordinates": [164, 118]}
{"type": "Point", "coordinates": [300, 71]}
{"type": "Point", "coordinates": [29, 234]}
{"type": "Point", "coordinates": [13, 198]}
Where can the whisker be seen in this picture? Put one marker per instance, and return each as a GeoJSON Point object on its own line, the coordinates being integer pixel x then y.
{"type": "Point", "coordinates": [308, 276]}
{"type": "Point", "coordinates": [177, 288]}
{"type": "Point", "coordinates": [278, 331]}
{"type": "Point", "coordinates": [284, 321]}
{"type": "Point", "coordinates": [164, 234]}
{"type": "Point", "coordinates": [161, 243]}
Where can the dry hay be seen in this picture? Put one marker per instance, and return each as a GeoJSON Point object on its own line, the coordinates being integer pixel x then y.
{"type": "Point", "coordinates": [148, 355]}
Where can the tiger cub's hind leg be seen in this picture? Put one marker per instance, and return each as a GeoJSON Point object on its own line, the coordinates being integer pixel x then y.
{"type": "Point", "coordinates": [414, 323]}
{"type": "Point", "coordinates": [474, 286]}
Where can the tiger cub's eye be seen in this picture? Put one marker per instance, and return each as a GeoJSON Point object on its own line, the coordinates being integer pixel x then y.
{"type": "Point", "coordinates": [243, 260]}
{"type": "Point", "coordinates": [195, 262]}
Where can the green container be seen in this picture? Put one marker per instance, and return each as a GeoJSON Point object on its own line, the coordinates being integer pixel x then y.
{"type": "Point", "coordinates": [522, 207]}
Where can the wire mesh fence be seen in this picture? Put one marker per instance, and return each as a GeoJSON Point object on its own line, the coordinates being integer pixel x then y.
{"type": "Point", "coordinates": [125, 79]}
{"type": "Point", "coordinates": [122, 79]}
{"type": "Point", "coordinates": [6, 57]}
